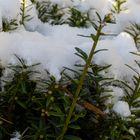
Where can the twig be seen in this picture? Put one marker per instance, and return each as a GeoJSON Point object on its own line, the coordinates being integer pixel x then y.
{"type": "Point", "coordinates": [5, 120]}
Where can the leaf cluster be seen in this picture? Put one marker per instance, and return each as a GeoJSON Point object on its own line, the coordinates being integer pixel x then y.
{"type": "Point", "coordinates": [9, 25]}
{"type": "Point", "coordinates": [24, 10]}
{"type": "Point", "coordinates": [117, 6]}
{"type": "Point", "coordinates": [48, 12]}
{"type": "Point", "coordinates": [134, 31]}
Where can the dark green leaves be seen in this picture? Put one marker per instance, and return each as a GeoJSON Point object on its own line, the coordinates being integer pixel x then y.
{"type": "Point", "coordinates": [51, 13]}
{"type": "Point", "coordinates": [77, 18]}
{"type": "Point", "coordinates": [81, 54]}
{"type": "Point", "coordinates": [9, 25]}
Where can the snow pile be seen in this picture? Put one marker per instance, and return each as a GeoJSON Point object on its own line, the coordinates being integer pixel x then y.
{"type": "Point", "coordinates": [30, 11]}
{"type": "Point", "coordinates": [123, 19]}
{"type": "Point", "coordinates": [118, 55]}
{"type": "Point", "coordinates": [122, 108]}
{"type": "Point", "coordinates": [55, 51]}
{"type": "Point", "coordinates": [116, 94]}
{"type": "Point", "coordinates": [9, 10]}
{"type": "Point", "coordinates": [52, 51]}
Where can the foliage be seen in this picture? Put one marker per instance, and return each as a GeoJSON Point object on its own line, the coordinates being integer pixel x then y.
{"type": "Point", "coordinates": [112, 127]}
{"type": "Point", "coordinates": [132, 96]}
{"type": "Point", "coordinates": [9, 25]}
{"type": "Point", "coordinates": [24, 9]}
{"type": "Point", "coordinates": [117, 6]}
{"type": "Point", "coordinates": [56, 15]}
{"type": "Point", "coordinates": [48, 12]}
{"type": "Point", "coordinates": [78, 19]}
{"type": "Point", "coordinates": [134, 31]}
{"type": "Point", "coordinates": [38, 108]}
{"type": "Point", "coordinates": [72, 108]}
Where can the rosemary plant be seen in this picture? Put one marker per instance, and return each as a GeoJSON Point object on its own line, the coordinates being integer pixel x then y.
{"type": "Point", "coordinates": [24, 16]}
{"type": "Point", "coordinates": [81, 80]}
{"type": "Point", "coordinates": [9, 25]}
{"type": "Point", "coordinates": [78, 19]}
{"type": "Point", "coordinates": [134, 31]}
{"type": "Point", "coordinates": [117, 6]}
{"type": "Point", "coordinates": [48, 12]}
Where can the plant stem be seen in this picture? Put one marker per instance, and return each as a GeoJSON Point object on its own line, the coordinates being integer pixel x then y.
{"type": "Point", "coordinates": [22, 11]}
{"type": "Point", "coordinates": [6, 120]}
{"type": "Point", "coordinates": [80, 83]}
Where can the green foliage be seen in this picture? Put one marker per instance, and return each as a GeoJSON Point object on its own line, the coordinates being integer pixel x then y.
{"type": "Point", "coordinates": [24, 9]}
{"type": "Point", "coordinates": [134, 31]}
{"type": "Point", "coordinates": [84, 71]}
{"type": "Point", "coordinates": [54, 14]}
{"type": "Point", "coordinates": [132, 96]}
{"type": "Point", "coordinates": [94, 81]}
{"type": "Point", "coordinates": [77, 18]}
{"type": "Point", "coordinates": [117, 6]}
{"type": "Point", "coordinates": [33, 1]}
{"type": "Point", "coordinates": [9, 25]}
{"type": "Point", "coordinates": [48, 12]}
{"type": "Point", "coordinates": [132, 92]}
{"type": "Point", "coordinates": [112, 127]}
{"type": "Point", "coordinates": [69, 109]}
{"type": "Point", "coordinates": [40, 107]}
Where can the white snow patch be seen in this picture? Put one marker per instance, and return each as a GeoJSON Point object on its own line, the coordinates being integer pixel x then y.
{"type": "Point", "coordinates": [16, 136]}
{"type": "Point", "coordinates": [122, 108]}
{"type": "Point", "coordinates": [116, 94]}
{"type": "Point", "coordinates": [53, 46]}
{"type": "Point", "coordinates": [118, 55]}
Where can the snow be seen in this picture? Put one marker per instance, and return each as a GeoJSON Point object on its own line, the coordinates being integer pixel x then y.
{"type": "Point", "coordinates": [32, 24]}
{"type": "Point", "coordinates": [118, 55]}
{"type": "Point", "coordinates": [16, 136]}
{"type": "Point", "coordinates": [8, 9]}
{"type": "Point", "coordinates": [122, 108]}
{"type": "Point", "coordinates": [55, 51]}
{"type": "Point", "coordinates": [116, 94]}
{"type": "Point", "coordinates": [35, 47]}
{"type": "Point", "coordinates": [132, 131]}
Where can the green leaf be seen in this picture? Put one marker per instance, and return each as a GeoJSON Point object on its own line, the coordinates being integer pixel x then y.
{"type": "Point", "coordinates": [94, 38]}
{"type": "Point", "coordinates": [100, 50]}
{"type": "Point", "coordinates": [99, 17]}
{"type": "Point", "coordinates": [82, 53]}
{"type": "Point", "coordinates": [57, 114]}
{"type": "Point", "coordinates": [21, 104]}
{"type": "Point", "coordinates": [77, 127]}
{"type": "Point", "coordinates": [71, 137]}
